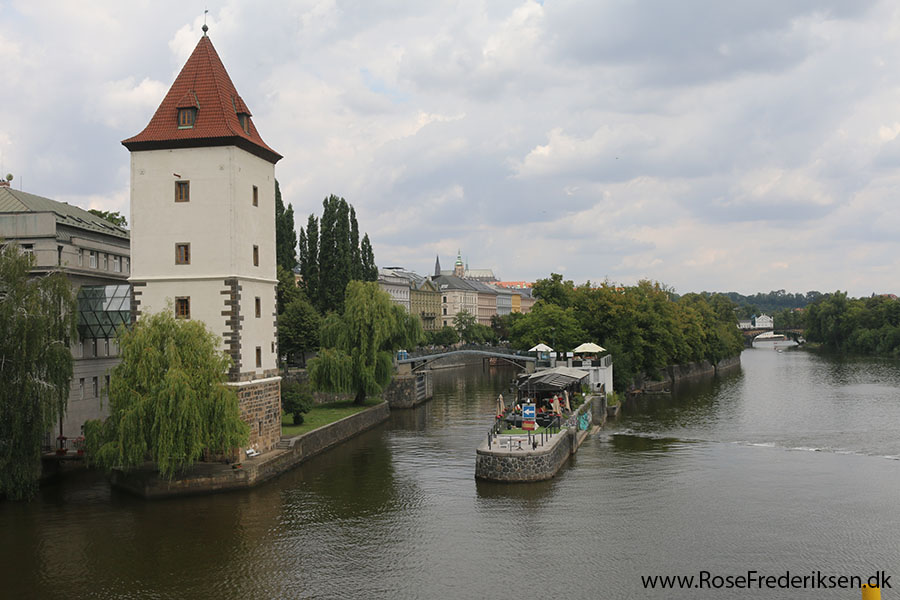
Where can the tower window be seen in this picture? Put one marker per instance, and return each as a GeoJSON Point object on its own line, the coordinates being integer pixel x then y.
{"type": "Point", "coordinates": [183, 307]}
{"type": "Point", "coordinates": [259, 357]}
{"type": "Point", "coordinates": [186, 117]}
{"type": "Point", "coordinates": [255, 256]}
{"type": "Point", "coordinates": [182, 191]}
{"type": "Point", "coordinates": [182, 254]}
{"type": "Point", "coordinates": [258, 307]}
{"type": "Point", "coordinates": [255, 196]}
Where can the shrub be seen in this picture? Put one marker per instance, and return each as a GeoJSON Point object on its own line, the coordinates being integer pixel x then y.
{"type": "Point", "coordinates": [296, 399]}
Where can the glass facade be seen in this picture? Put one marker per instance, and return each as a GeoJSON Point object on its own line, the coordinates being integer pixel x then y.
{"type": "Point", "coordinates": [102, 309]}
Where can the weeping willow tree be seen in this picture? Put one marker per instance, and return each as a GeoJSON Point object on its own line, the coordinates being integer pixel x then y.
{"type": "Point", "coordinates": [37, 321]}
{"type": "Point", "coordinates": [358, 346]}
{"type": "Point", "coordinates": [168, 401]}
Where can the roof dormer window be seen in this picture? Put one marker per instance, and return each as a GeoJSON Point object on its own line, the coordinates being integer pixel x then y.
{"type": "Point", "coordinates": [186, 117]}
{"type": "Point", "coordinates": [244, 120]}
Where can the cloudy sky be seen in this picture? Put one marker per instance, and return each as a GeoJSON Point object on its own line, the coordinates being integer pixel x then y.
{"type": "Point", "coordinates": [742, 145]}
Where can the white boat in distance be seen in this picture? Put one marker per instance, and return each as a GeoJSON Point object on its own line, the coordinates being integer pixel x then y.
{"type": "Point", "coordinates": [770, 339]}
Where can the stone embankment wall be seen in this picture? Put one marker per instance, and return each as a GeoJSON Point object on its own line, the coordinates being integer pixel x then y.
{"type": "Point", "coordinates": [674, 374]}
{"type": "Point", "coordinates": [408, 391]}
{"type": "Point", "coordinates": [523, 465]}
{"type": "Point", "coordinates": [205, 478]}
{"type": "Point", "coordinates": [537, 464]}
{"type": "Point", "coordinates": [260, 405]}
{"type": "Point", "coordinates": [303, 447]}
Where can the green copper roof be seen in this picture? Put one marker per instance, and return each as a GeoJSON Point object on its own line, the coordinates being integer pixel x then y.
{"type": "Point", "coordinates": [12, 201]}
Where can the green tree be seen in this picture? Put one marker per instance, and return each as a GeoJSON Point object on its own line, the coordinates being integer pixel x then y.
{"type": "Point", "coordinates": [554, 290]}
{"type": "Point", "coordinates": [550, 324]}
{"type": "Point", "coordinates": [309, 260]}
{"type": "Point", "coordinates": [464, 322]}
{"type": "Point", "coordinates": [37, 321]}
{"type": "Point", "coordinates": [298, 329]}
{"type": "Point", "coordinates": [445, 336]}
{"type": "Point", "coordinates": [358, 345]}
{"type": "Point", "coordinates": [296, 399]}
{"type": "Point", "coordinates": [287, 290]}
{"type": "Point", "coordinates": [356, 264]}
{"type": "Point", "coordinates": [113, 217]}
{"type": "Point", "coordinates": [331, 255]}
{"type": "Point", "coordinates": [285, 234]}
{"type": "Point", "coordinates": [369, 269]}
{"type": "Point", "coordinates": [168, 399]}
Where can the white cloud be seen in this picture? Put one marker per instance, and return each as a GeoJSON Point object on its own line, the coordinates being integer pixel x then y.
{"type": "Point", "coordinates": [755, 149]}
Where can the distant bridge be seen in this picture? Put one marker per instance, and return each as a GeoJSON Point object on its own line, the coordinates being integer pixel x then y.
{"type": "Point", "coordinates": [751, 334]}
{"type": "Point", "coordinates": [423, 358]}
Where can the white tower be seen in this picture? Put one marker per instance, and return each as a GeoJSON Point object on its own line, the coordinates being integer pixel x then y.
{"type": "Point", "coordinates": [203, 228]}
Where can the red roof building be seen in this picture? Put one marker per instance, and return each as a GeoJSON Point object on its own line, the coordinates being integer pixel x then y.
{"type": "Point", "coordinates": [202, 109]}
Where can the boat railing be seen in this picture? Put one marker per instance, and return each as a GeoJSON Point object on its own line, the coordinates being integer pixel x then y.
{"type": "Point", "coordinates": [532, 439]}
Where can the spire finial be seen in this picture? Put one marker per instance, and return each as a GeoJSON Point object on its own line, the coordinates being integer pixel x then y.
{"type": "Point", "coordinates": [205, 28]}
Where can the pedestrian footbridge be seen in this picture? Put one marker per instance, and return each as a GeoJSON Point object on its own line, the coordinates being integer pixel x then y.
{"type": "Point", "coordinates": [420, 359]}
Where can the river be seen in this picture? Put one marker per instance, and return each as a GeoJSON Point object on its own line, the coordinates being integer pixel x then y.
{"type": "Point", "coordinates": [790, 464]}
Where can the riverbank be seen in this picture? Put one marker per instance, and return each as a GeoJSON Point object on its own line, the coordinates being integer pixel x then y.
{"type": "Point", "coordinates": [205, 478]}
{"type": "Point", "coordinates": [675, 374]}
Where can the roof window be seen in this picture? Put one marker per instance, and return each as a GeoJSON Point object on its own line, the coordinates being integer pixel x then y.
{"type": "Point", "coordinates": [186, 117]}
{"type": "Point", "coordinates": [244, 119]}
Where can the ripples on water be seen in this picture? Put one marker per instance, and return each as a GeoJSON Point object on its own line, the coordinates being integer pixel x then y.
{"type": "Point", "coordinates": [720, 477]}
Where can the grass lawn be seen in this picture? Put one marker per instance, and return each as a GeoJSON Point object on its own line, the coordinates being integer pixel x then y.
{"type": "Point", "coordinates": [323, 414]}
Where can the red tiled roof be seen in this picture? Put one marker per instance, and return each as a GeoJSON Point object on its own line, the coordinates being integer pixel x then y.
{"type": "Point", "coordinates": [203, 82]}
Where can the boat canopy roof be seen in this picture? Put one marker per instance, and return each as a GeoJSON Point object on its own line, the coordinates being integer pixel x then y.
{"type": "Point", "coordinates": [550, 380]}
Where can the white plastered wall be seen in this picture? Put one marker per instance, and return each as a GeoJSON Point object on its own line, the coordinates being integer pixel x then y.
{"type": "Point", "coordinates": [221, 224]}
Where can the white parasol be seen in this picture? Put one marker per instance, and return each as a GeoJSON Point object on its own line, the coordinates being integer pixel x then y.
{"type": "Point", "coordinates": [589, 348]}
{"type": "Point", "coordinates": [541, 348]}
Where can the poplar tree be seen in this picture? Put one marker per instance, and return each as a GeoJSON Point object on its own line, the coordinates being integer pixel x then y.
{"type": "Point", "coordinates": [285, 234]}
{"type": "Point", "coordinates": [369, 269]}
{"type": "Point", "coordinates": [309, 260]}
{"type": "Point", "coordinates": [358, 345]}
{"type": "Point", "coordinates": [168, 400]}
{"type": "Point", "coordinates": [37, 322]}
{"type": "Point", "coordinates": [355, 254]}
{"type": "Point", "coordinates": [331, 255]}
{"type": "Point", "coordinates": [329, 289]}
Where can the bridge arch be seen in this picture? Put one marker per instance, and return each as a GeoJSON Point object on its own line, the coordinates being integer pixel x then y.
{"type": "Point", "coordinates": [422, 359]}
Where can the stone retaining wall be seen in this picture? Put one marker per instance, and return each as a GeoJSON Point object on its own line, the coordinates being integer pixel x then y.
{"type": "Point", "coordinates": [523, 465]}
{"type": "Point", "coordinates": [402, 392]}
{"type": "Point", "coordinates": [205, 478]}
{"type": "Point", "coordinates": [674, 374]}
{"type": "Point", "coordinates": [260, 405]}
{"type": "Point", "coordinates": [538, 464]}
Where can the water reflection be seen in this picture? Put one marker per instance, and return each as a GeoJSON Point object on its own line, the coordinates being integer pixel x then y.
{"type": "Point", "coordinates": [714, 477]}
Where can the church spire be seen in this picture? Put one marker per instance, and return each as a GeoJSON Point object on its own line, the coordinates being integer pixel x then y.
{"type": "Point", "coordinates": [437, 265]}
